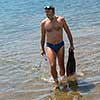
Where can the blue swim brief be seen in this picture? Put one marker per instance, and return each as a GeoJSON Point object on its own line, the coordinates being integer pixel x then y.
{"type": "Point", "coordinates": [55, 47]}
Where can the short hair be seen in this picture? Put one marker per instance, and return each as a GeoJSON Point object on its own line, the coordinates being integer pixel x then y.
{"type": "Point", "coordinates": [50, 8]}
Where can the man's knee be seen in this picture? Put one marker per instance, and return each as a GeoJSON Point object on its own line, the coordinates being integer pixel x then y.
{"type": "Point", "coordinates": [53, 65]}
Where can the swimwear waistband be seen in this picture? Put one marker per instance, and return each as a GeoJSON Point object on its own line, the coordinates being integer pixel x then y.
{"type": "Point", "coordinates": [62, 42]}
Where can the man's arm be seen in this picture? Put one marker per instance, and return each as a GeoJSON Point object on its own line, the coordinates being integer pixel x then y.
{"type": "Point", "coordinates": [67, 30]}
{"type": "Point", "coordinates": [42, 38]}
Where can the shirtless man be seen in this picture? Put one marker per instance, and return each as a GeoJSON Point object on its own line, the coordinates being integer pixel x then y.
{"type": "Point", "coordinates": [52, 28]}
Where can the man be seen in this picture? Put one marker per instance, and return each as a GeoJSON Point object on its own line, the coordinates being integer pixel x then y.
{"type": "Point", "coordinates": [52, 29]}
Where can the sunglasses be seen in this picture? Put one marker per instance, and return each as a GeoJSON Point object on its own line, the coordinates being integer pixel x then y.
{"type": "Point", "coordinates": [48, 7]}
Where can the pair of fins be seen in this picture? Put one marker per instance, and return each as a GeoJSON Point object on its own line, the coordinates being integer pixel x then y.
{"type": "Point", "coordinates": [71, 63]}
{"type": "Point", "coordinates": [71, 70]}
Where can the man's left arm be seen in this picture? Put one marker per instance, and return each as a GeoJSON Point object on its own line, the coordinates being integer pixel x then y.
{"type": "Point", "coordinates": [69, 35]}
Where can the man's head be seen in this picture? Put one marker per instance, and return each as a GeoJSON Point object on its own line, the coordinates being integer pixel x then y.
{"type": "Point", "coordinates": [50, 11]}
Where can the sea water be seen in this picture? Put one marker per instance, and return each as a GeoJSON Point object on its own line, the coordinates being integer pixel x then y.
{"type": "Point", "coordinates": [20, 40]}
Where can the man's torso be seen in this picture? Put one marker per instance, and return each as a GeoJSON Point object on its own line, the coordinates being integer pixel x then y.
{"type": "Point", "coordinates": [54, 30]}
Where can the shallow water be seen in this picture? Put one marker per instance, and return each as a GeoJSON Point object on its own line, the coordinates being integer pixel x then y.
{"type": "Point", "coordinates": [20, 45]}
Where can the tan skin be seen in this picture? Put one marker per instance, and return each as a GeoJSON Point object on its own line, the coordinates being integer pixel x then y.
{"type": "Point", "coordinates": [52, 28]}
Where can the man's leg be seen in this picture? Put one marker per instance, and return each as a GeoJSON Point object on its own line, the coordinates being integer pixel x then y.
{"type": "Point", "coordinates": [52, 61]}
{"type": "Point", "coordinates": [60, 56]}
{"type": "Point", "coordinates": [63, 80]}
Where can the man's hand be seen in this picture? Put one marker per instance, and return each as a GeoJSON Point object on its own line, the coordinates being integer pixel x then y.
{"type": "Point", "coordinates": [43, 52]}
{"type": "Point", "coordinates": [71, 48]}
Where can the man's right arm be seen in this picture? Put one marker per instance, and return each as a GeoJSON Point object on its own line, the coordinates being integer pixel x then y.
{"type": "Point", "coordinates": [43, 32]}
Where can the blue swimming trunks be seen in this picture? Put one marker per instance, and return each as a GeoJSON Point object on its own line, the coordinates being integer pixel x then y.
{"type": "Point", "coordinates": [55, 47]}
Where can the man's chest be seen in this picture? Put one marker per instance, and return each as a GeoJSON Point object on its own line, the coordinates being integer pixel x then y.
{"type": "Point", "coordinates": [53, 25]}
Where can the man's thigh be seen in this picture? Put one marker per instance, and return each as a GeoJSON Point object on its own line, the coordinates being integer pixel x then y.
{"type": "Point", "coordinates": [51, 56]}
{"type": "Point", "coordinates": [60, 56]}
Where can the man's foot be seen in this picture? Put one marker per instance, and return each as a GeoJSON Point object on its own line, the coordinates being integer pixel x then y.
{"type": "Point", "coordinates": [63, 83]}
{"type": "Point", "coordinates": [56, 86]}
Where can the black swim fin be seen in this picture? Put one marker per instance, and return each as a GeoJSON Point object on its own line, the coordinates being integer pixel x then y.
{"type": "Point", "coordinates": [71, 64]}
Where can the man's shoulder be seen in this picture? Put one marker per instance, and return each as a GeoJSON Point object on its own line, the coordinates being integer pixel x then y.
{"type": "Point", "coordinates": [43, 21]}
{"type": "Point", "coordinates": [60, 17]}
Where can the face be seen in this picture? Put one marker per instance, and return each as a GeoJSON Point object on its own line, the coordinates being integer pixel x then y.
{"type": "Point", "coordinates": [49, 13]}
